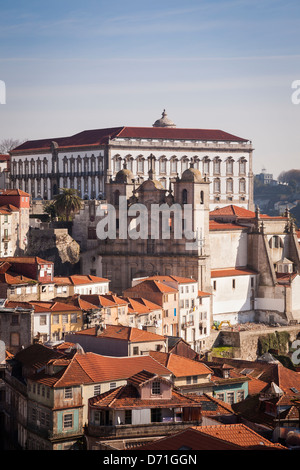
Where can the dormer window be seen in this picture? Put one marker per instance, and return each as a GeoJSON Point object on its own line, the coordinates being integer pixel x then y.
{"type": "Point", "coordinates": [156, 388]}
{"type": "Point", "coordinates": [226, 374]}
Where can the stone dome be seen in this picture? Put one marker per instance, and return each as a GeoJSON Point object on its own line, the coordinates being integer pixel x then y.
{"type": "Point", "coordinates": [164, 121]}
{"type": "Point", "coordinates": [124, 176]}
{"type": "Point", "coordinates": [192, 175]}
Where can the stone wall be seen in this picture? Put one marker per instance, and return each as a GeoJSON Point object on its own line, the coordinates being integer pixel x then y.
{"type": "Point", "coordinates": [58, 246]}
{"type": "Point", "coordinates": [246, 342]}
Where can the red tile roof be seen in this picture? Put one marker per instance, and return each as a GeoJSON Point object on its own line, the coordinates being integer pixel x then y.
{"type": "Point", "coordinates": [238, 434]}
{"type": "Point", "coordinates": [225, 272]}
{"type": "Point", "coordinates": [14, 279]}
{"type": "Point", "coordinates": [50, 306]}
{"type": "Point", "coordinates": [239, 212]}
{"type": "Point", "coordinates": [217, 408]}
{"type": "Point", "coordinates": [104, 300]}
{"type": "Point", "coordinates": [151, 285]}
{"type": "Point", "coordinates": [13, 192]}
{"type": "Point", "coordinates": [97, 137]}
{"type": "Point", "coordinates": [127, 397]}
{"type": "Point", "coordinates": [214, 226]}
{"type": "Point", "coordinates": [91, 368]}
{"type": "Point", "coordinates": [231, 437]}
{"type": "Point", "coordinates": [141, 306]}
{"type": "Point", "coordinates": [78, 280]}
{"type": "Point", "coordinates": [127, 333]}
{"type": "Point", "coordinates": [180, 366]}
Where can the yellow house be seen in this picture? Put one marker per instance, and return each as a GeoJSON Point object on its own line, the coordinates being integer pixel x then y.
{"type": "Point", "coordinates": [64, 318]}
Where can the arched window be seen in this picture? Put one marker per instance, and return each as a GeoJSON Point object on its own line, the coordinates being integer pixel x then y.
{"type": "Point", "coordinates": [206, 163]}
{"type": "Point", "coordinates": [79, 164]}
{"type": "Point", "coordinates": [45, 165]}
{"type": "Point", "coordinates": [242, 185]}
{"type": "Point", "coordinates": [217, 185]}
{"type": "Point", "coordinates": [202, 197]}
{"type": "Point", "coordinates": [93, 163]}
{"type": "Point", "coordinates": [184, 164]}
{"type": "Point", "coordinates": [229, 166]}
{"type": "Point", "coordinates": [275, 242]}
{"type": "Point", "coordinates": [184, 196]}
{"type": "Point", "coordinates": [129, 162]}
{"type": "Point", "coordinates": [174, 165]}
{"type": "Point", "coordinates": [229, 185]}
{"type": "Point", "coordinates": [32, 166]}
{"type": "Point", "coordinates": [242, 166]}
{"type": "Point", "coordinates": [163, 165]}
{"type": "Point", "coordinates": [217, 166]}
{"type": "Point", "coordinates": [140, 165]}
{"type": "Point", "coordinates": [20, 168]}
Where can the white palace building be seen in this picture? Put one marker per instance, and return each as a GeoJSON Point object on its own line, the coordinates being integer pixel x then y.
{"type": "Point", "coordinates": [89, 159]}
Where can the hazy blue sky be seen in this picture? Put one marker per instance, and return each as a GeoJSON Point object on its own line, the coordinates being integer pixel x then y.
{"type": "Point", "coordinates": [72, 65]}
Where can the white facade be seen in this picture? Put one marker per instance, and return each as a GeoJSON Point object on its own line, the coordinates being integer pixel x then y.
{"type": "Point", "coordinates": [92, 288]}
{"type": "Point", "coordinates": [42, 326]}
{"type": "Point", "coordinates": [233, 297]}
{"type": "Point", "coordinates": [83, 171]}
{"type": "Point", "coordinates": [87, 160]}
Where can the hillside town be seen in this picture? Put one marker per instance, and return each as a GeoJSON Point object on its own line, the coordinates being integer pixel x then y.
{"type": "Point", "coordinates": [129, 338]}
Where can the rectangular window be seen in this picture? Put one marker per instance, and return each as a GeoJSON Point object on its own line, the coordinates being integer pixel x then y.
{"type": "Point", "coordinates": [240, 395]}
{"type": "Point", "coordinates": [128, 416]}
{"type": "Point", "coordinates": [135, 350]}
{"type": "Point", "coordinates": [43, 320]}
{"type": "Point", "coordinates": [68, 420]}
{"type": "Point", "coordinates": [156, 388]}
{"type": "Point", "coordinates": [68, 392]}
{"type": "Point", "coordinates": [220, 396]}
{"type": "Point", "coordinates": [112, 385]}
{"type": "Point", "coordinates": [73, 317]}
{"type": "Point", "coordinates": [233, 283]}
{"type": "Point", "coordinates": [97, 390]}
{"type": "Point", "coordinates": [230, 397]}
{"type": "Point", "coordinates": [55, 319]}
{"type": "Point", "coordinates": [215, 285]}
{"type": "Point", "coordinates": [65, 318]}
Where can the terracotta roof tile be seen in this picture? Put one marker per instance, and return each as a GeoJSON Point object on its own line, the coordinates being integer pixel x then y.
{"type": "Point", "coordinates": [225, 272]}
{"type": "Point", "coordinates": [104, 300]}
{"type": "Point", "coordinates": [214, 226]}
{"type": "Point", "coordinates": [151, 285]}
{"type": "Point", "coordinates": [93, 368]}
{"type": "Point", "coordinates": [217, 437]}
{"type": "Point", "coordinates": [238, 434]}
{"type": "Point", "coordinates": [180, 366]}
{"type": "Point", "coordinates": [127, 397]}
{"type": "Point", "coordinates": [127, 333]}
{"type": "Point", "coordinates": [101, 136]}
{"type": "Point", "coordinates": [141, 306]}
{"type": "Point", "coordinates": [78, 280]}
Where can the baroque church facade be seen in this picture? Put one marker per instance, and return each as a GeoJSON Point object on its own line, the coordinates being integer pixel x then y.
{"type": "Point", "coordinates": [87, 160]}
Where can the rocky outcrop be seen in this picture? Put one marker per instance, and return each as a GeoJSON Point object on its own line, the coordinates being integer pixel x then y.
{"type": "Point", "coordinates": [55, 245]}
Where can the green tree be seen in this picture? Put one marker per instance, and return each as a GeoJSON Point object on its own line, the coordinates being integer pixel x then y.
{"type": "Point", "coordinates": [67, 203]}
{"type": "Point", "coordinates": [50, 210]}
